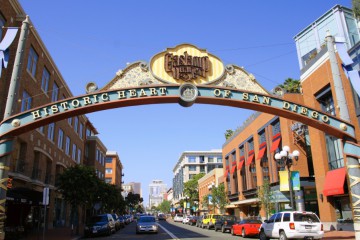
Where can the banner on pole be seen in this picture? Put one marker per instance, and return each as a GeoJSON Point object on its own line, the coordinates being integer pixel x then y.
{"type": "Point", "coordinates": [284, 180]}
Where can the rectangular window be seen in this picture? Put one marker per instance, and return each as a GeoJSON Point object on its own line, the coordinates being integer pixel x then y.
{"type": "Point", "coordinates": [210, 159]}
{"type": "Point", "coordinates": [81, 129]}
{"type": "Point", "coordinates": [76, 123]}
{"type": "Point", "coordinates": [192, 159]}
{"type": "Point", "coordinates": [251, 145]}
{"type": "Point", "coordinates": [262, 137]}
{"type": "Point", "coordinates": [26, 101]}
{"type": "Point", "coordinates": [227, 161]}
{"type": "Point", "coordinates": [78, 155]}
{"type": "Point", "coordinates": [55, 93]}
{"type": "Point", "coordinates": [73, 153]}
{"type": "Point", "coordinates": [97, 155]}
{"type": "Point", "coordinates": [45, 80]}
{"type": "Point", "coordinates": [70, 121]}
{"type": "Point", "coordinates": [2, 24]}
{"type": "Point", "coordinates": [108, 180]}
{"type": "Point", "coordinates": [275, 127]}
{"type": "Point", "coordinates": [51, 129]}
{"type": "Point", "coordinates": [219, 159]}
{"type": "Point", "coordinates": [109, 160]}
{"type": "Point", "coordinates": [32, 61]}
{"type": "Point", "coordinates": [41, 129]}
{"type": "Point", "coordinates": [202, 169]}
{"type": "Point", "coordinates": [67, 146]}
{"type": "Point", "coordinates": [192, 168]}
{"type": "Point", "coordinates": [88, 132]}
{"type": "Point", "coordinates": [108, 171]}
{"type": "Point", "coordinates": [60, 138]}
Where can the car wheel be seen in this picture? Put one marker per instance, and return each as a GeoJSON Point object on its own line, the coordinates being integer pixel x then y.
{"type": "Point", "coordinates": [223, 229]}
{"type": "Point", "coordinates": [243, 233]}
{"type": "Point", "coordinates": [263, 236]}
{"type": "Point", "coordinates": [232, 231]}
{"type": "Point", "coordinates": [283, 236]}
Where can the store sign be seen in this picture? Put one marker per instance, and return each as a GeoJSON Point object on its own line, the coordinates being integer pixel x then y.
{"type": "Point", "coordinates": [186, 67]}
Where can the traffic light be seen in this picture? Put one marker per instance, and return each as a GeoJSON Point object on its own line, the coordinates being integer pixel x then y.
{"type": "Point", "coordinates": [9, 183]}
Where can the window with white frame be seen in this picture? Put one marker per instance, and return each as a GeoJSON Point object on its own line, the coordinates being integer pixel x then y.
{"type": "Point", "coordinates": [191, 159]}
{"type": "Point", "coordinates": [81, 129]}
{"type": "Point", "coordinates": [73, 153]}
{"type": "Point", "coordinates": [51, 129]}
{"type": "Point", "coordinates": [78, 155]}
{"type": "Point", "coordinates": [26, 101]}
{"type": "Point", "coordinates": [76, 123]}
{"type": "Point", "coordinates": [55, 93]}
{"type": "Point", "coordinates": [67, 145]}
{"type": "Point", "coordinates": [60, 138]}
{"type": "Point", "coordinates": [108, 170]}
{"type": "Point", "coordinates": [32, 61]}
{"type": "Point", "coordinates": [45, 80]}
{"type": "Point", "coordinates": [192, 168]}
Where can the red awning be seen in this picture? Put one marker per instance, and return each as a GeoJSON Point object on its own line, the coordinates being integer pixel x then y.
{"type": "Point", "coordinates": [233, 169]}
{"type": "Point", "coordinates": [261, 152]}
{"type": "Point", "coordinates": [241, 163]}
{"type": "Point", "coordinates": [250, 159]}
{"type": "Point", "coordinates": [334, 182]}
{"type": "Point", "coordinates": [275, 144]}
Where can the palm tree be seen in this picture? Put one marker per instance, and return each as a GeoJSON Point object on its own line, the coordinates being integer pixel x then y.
{"type": "Point", "coordinates": [291, 85]}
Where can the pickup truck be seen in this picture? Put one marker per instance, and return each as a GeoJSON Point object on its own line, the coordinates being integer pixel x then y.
{"type": "Point", "coordinates": [209, 221]}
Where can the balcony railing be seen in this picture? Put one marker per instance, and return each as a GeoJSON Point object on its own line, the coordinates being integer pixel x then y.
{"type": "Point", "coordinates": [233, 197]}
{"type": "Point", "coordinates": [36, 174]}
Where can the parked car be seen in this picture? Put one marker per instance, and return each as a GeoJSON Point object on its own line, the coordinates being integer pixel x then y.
{"type": "Point", "coordinates": [246, 227]}
{"type": "Point", "coordinates": [178, 218]}
{"type": "Point", "coordinates": [193, 220]}
{"type": "Point", "coordinates": [122, 221]}
{"type": "Point", "coordinates": [146, 224]}
{"type": "Point", "coordinates": [186, 219]}
{"type": "Point", "coordinates": [199, 221]}
{"type": "Point", "coordinates": [292, 225]}
{"type": "Point", "coordinates": [224, 223]}
{"type": "Point", "coordinates": [162, 217]}
{"type": "Point", "coordinates": [209, 220]}
{"type": "Point", "coordinates": [100, 225]}
{"type": "Point", "coordinates": [117, 221]}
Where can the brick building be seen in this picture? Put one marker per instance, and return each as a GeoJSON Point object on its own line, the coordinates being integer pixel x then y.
{"type": "Point", "coordinates": [39, 156]}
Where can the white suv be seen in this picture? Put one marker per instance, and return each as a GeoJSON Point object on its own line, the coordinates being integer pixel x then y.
{"type": "Point", "coordinates": [292, 225]}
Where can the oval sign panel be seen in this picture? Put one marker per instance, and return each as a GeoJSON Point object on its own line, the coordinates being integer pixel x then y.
{"type": "Point", "coordinates": [186, 63]}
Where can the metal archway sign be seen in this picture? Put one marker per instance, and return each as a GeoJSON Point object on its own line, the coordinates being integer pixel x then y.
{"type": "Point", "coordinates": [186, 75]}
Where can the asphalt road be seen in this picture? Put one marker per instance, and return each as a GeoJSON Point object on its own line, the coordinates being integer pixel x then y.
{"type": "Point", "coordinates": [170, 230]}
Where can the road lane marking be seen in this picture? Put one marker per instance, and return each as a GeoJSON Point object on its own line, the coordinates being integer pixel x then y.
{"type": "Point", "coordinates": [168, 232]}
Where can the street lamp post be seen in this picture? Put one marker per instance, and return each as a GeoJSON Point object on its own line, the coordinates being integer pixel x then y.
{"type": "Point", "coordinates": [286, 157]}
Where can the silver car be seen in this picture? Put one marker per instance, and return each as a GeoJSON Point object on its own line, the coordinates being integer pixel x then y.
{"type": "Point", "coordinates": [146, 224]}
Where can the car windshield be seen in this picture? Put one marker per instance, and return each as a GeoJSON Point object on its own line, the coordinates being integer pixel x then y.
{"type": "Point", "coordinates": [114, 216]}
{"type": "Point", "coordinates": [305, 217]}
{"type": "Point", "coordinates": [179, 215]}
{"type": "Point", "coordinates": [146, 219]}
{"type": "Point", "coordinates": [99, 219]}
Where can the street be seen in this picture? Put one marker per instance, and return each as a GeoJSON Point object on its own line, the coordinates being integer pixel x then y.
{"type": "Point", "coordinates": [170, 230]}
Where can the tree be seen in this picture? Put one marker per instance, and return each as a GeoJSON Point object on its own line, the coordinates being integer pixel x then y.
{"type": "Point", "coordinates": [219, 199]}
{"type": "Point", "coordinates": [191, 188]}
{"type": "Point", "coordinates": [205, 201]}
{"type": "Point", "coordinates": [356, 8]}
{"type": "Point", "coordinates": [133, 200]}
{"type": "Point", "coordinates": [291, 85]}
{"type": "Point", "coordinates": [228, 133]}
{"type": "Point", "coordinates": [265, 195]}
{"type": "Point", "coordinates": [164, 206]}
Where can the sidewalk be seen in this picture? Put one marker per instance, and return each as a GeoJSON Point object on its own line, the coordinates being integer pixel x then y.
{"type": "Point", "coordinates": [334, 235]}
{"type": "Point", "coordinates": [53, 234]}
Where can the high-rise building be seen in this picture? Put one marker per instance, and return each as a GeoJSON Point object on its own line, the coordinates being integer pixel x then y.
{"type": "Point", "coordinates": [191, 163]}
{"type": "Point", "coordinates": [157, 190]}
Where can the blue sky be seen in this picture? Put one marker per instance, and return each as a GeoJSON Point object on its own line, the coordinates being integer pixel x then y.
{"type": "Point", "coordinates": [91, 40]}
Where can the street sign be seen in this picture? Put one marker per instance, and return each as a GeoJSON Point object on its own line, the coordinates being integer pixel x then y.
{"type": "Point", "coordinates": [45, 196]}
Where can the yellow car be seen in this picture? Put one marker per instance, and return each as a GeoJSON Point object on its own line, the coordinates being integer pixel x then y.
{"type": "Point", "coordinates": [209, 220]}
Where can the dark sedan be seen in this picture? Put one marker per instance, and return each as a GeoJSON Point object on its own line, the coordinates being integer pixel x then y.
{"type": "Point", "coordinates": [100, 225]}
{"type": "Point", "coordinates": [224, 223]}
